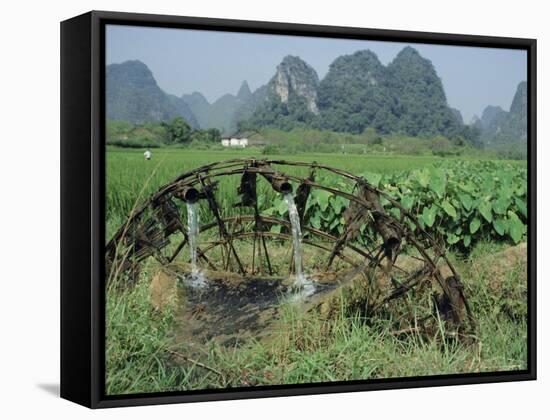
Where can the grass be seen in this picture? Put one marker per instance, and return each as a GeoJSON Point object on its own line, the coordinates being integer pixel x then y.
{"type": "Point", "coordinates": [142, 356]}
{"type": "Point", "coordinates": [137, 340]}
{"type": "Point", "coordinates": [308, 349]}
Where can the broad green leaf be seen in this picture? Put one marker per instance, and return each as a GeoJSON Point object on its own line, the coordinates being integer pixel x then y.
{"type": "Point", "coordinates": [501, 205]}
{"type": "Point", "coordinates": [516, 230]}
{"type": "Point", "coordinates": [487, 184]}
{"type": "Point", "coordinates": [452, 238]}
{"type": "Point", "coordinates": [512, 215]}
{"type": "Point", "coordinates": [516, 227]}
{"type": "Point", "coordinates": [327, 215]}
{"type": "Point", "coordinates": [315, 221]}
{"type": "Point", "coordinates": [520, 190]}
{"type": "Point", "coordinates": [372, 178]}
{"type": "Point", "coordinates": [407, 202]}
{"type": "Point", "coordinates": [520, 204]}
{"type": "Point", "coordinates": [338, 203]}
{"type": "Point", "coordinates": [438, 182]}
{"type": "Point", "coordinates": [506, 179]}
{"type": "Point", "coordinates": [276, 228]}
{"type": "Point", "coordinates": [500, 226]}
{"type": "Point", "coordinates": [282, 207]}
{"type": "Point", "coordinates": [395, 212]}
{"type": "Point", "coordinates": [449, 209]}
{"type": "Point", "coordinates": [466, 201]}
{"type": "Point", "coordinates": [468, 186]}
{"type": "Point", "coordinates": [423, 177]}
{"type": "Point", "coordinates": [322, 198]}
{"type": "Point", "coordinates": [428, 215]}
{"type": "Point", "coordinates": [309, 203]}
{"type": "Point", "coordinates": [456, 204]}
{"type": "Point", "coordinates": [505, 191]}
{"type": "Point", "coordinates": [467, 240]}
{"type": "Point", "coordinates": [474, 225]}
{"type": "Point", "coordinates": [486, 211]}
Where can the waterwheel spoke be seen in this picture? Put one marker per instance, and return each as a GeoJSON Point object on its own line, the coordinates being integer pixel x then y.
{"type": "Point", "coordinates": [178, 249]}
{"type": "Point", "coordinates": [214, 208]}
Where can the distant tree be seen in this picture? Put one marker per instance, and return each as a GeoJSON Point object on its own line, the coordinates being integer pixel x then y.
{"type": "Point", "coordinates": [283, 115]}
{"type": "Point", "coordinates": [178, 131]}
{"type": "Point", "coordinates": [211, 135]}
{"type": "Point", "coordinates": [271, 149]}
{"type": "Point", "coordinates": [371, 136]}
{"type": "Point", "coordinates": [214, 134]}
{"type": "Point", "coordinates": [117, 130]}
{"type": "Point", "coordinates": [441, 146]}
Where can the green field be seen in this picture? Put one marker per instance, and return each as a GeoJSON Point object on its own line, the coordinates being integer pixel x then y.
{"type": "Point", "coordinates": [128, 172]}
{"type": "Point", "coordinates": [478, 207]}
{"type": "Point", "coordinates": [499, 185]}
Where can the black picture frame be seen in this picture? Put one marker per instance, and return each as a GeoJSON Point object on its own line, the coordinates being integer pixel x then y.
{"type": "Point", "coordinates": [83, 200]}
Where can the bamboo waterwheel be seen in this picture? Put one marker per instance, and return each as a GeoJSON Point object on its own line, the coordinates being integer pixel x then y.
{"type": "Point", "coordinates": [369, 246]}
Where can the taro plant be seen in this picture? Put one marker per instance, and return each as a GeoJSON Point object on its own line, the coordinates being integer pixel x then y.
{"type": "Point", "coordinates": [460, 202]}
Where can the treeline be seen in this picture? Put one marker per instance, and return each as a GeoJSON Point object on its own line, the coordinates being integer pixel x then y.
{"type": "Point", "coordinates": [174, 132]}
{"type": "Point", "coordinates": [294, 115]}
{"type": "Point", "coordinates": [307, 140]}
{"type": "Point", "coordinates": [274, 141]}
{"type": "Point", "coordinates": [406, 97]}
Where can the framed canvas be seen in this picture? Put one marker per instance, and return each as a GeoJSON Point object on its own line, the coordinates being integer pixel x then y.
{"type": "Point", "coordinates": [256, 209]}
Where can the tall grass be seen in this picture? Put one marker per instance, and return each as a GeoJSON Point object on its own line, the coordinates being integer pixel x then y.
{"type": "Point", "coordinates": [137, 341]}
{"type": "Point", "coordinates": [305, 348]}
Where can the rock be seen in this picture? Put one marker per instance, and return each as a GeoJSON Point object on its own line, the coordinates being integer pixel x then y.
{"type": "Point", "coordinates": [133, 95]}
{"type": "Point", "coordinates": [162, 289]}
{"type": "Point", "coordinates": [501, 127]}
{"type": "Point", "coordinates": [227, 111]}
{"type": "Point", "coordinates": [295, 77]}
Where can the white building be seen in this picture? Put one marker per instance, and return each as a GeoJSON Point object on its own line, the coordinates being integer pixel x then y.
{"type": "Point", "coordinates": [234, 141]}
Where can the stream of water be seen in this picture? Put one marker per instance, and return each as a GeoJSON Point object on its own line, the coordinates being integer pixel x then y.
{"type": "Point", "coordinates": [301, 281]}
{"type": "Point", "coordinates": [196, 278]}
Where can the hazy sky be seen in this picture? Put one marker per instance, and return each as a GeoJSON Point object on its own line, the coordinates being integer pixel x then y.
{"type": "Point", "coordinates": [216, 63]}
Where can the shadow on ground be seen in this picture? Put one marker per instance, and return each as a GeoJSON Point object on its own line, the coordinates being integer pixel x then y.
{"type": "Point", "coordinates": [52, 389]}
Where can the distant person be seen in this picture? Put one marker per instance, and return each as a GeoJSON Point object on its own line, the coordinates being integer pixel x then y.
{"type": "Point", "coordinates": [147, 154]}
